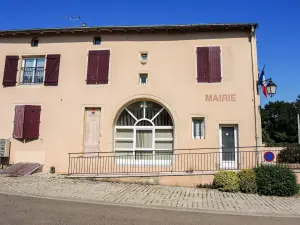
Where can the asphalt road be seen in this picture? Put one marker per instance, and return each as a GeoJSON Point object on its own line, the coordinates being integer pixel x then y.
{"type": "Point", "coordinates": [36, 211]}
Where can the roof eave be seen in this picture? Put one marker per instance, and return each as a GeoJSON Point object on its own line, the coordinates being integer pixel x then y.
{"type": "Point", "coordinates": [144, 29]}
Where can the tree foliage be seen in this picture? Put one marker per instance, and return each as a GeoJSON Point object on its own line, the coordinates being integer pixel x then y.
{"type": "Point", "coordinates": [279, 122]}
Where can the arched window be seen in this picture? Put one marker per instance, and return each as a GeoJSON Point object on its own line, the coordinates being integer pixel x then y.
{"type": "Point", "coordinates": [144, 133]}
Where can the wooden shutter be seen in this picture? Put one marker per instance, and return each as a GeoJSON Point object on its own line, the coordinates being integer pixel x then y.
{"type": "Point", "coordinates": [203, 64]}
{"type": "Point", "coordinates": [32, 122]}
{"type": "Point", "coordinates": [19, 121]}
{"type": "Point", "coordinates": [209, 64]}
{"type": "Point", "coordinates": [98, 67]}
{"type": "Point", "coordinates": [10, 71]}
{"type": "Point", "coordinates": [103, 68]}
{"type": "Point", "coordinates": [92, 71]}
{"type": "Point", "coordinates": [52, 70]}
{"type": "Point", "coordinates": [214, 64]}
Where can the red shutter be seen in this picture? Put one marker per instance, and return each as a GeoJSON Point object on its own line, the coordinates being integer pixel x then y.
{"type": "Point", "coordinates": [52, 70]}
{"type": "Point", "coordinates": [103, 68]}
{"type": "Point", "coordinates": [92, 71]}
{"type": "Point", "coordinates": [19, 121]}
{"type": "Point", "coordinates": [32, 122]}
{"type": "Point", "coordinates": [214, 64]}
{"type": "Point", "coordinates": [202, 64]}
{"type": "Point", "coordinates": [10, 71]}
{"type": "Point", "coordinates": [98, 67]}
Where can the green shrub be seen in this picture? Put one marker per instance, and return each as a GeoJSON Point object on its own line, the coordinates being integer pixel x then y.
{"type": "Point", "coordinates": [276, 181]}
{"type": "Point", "coordinates": [226, 181]}
{"type": "Point", "coordinates": [247, 181]}
{"type": "Point", "coordinates": [290, 154]}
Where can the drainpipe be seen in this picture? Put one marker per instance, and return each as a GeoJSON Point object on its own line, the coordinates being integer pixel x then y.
{"type": "Point", "coordinates": [254, 78]}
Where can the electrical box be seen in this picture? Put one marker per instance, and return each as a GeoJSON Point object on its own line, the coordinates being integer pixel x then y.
{"type": "Point", "coordinates": [4, 147]}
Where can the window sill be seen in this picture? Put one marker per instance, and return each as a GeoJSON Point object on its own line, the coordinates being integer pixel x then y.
{"type": "Point", "coordinates": [29, 84]}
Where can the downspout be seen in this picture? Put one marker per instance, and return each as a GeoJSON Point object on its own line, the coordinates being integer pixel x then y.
{"type": "Point", "coordinates": [254, 78]}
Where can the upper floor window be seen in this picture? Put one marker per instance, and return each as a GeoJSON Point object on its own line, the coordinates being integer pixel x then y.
{"type": "Point", "coordinates": [34, 42]}
{"type": "Point", "coordinates": [33, 71]}
{"type": "Point", "coordinates": [97, 41]}
{"type": "Point", "coordinates": [143, 78]}
{"type": "Point", "coordinates": [209, 64]}
{"type": "Point", "coordinates": [144, 57]}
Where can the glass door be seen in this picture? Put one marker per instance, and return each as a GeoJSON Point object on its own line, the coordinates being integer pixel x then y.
{"type": "Point", "coordinates": [228, 140]}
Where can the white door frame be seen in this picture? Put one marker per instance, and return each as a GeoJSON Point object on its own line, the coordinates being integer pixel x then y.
{"type": "Point", "coordinates": [229, 164]}
{"type": "Point", "coordinates": [96, 146]}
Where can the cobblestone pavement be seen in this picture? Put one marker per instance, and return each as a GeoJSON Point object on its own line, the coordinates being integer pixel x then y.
{"type": "Point", "coordinates": [155, 195]}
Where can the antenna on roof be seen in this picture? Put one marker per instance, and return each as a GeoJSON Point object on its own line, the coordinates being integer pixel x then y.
{"type": "Point", "coordinates": [75, 19]}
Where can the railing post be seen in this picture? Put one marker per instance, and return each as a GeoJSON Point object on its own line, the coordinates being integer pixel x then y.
{"type": "Point", "coordinates": [69, 165]}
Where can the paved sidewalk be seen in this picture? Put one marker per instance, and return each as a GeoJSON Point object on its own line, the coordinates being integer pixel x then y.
{"type": "Point", "coordinates": [155, 195]}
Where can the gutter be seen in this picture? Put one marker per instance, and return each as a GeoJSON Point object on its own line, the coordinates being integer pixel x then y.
{"type": "Point", "coordinates": [254, 78]}
{"type": "Point", "coordinates": [137, 29]}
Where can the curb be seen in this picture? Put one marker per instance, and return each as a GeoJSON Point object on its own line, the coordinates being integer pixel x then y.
{"type": "Point", "coordinates": [156, 207]}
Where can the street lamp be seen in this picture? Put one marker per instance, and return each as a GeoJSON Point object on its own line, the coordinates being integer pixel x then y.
{"type": "Point", "coordinates": [271, 88]}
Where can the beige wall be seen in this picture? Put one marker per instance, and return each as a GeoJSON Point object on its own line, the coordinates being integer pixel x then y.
{"type": "Point", "coordinates": [172, 82]}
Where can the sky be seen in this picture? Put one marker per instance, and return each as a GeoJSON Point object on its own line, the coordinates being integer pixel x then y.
{"type": "Point", "coordinates": [278, 35]}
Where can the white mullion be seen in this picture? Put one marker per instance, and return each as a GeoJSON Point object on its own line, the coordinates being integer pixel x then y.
{"type": "Point", "coordinates": [144, 111]}
{"type": "Point", "coordinates": [134, 140]}
{"type": "Point", "coordinates": [34, 66]}
{"type": "Point", "coordinates": [115, 131]}
{"type": "Point", "coordinates": [131, 114]}
{"type": "Point", "coordinates": [157, 114]}
{"type": "Point", "coordinates": [124, 149]}
{"type": "Point", "coordinates": [125, 127]}
{"type": "Point", "coordinates": [23, 66]}
{"type": "Point", "coordinates": [164, 128]}
{"type": "Point", "coordinates": [144, 149]}
{"type": "Point", "coordinates": [153, 143]}
{"type": "Point", "coordinates": [144, 127]}
{"type": "Point", "coordinates": [163, 139]}
{"type": "Point", "coordinates": [163, 149]}
{"type": "Point", "coordinates": [124, 139]}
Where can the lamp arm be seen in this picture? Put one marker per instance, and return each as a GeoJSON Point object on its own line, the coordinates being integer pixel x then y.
{"type": "Point", "coordinates": [261, 83]}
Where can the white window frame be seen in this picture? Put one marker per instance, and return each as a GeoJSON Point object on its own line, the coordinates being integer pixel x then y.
{"type": "Point", "coordinates": [135, 127]}
{"type": "Point", "coordinates": [202, 134]}
{"type": "Point", "coordinates": [34, 65]}
{"type": "Point", "coordinates": [94, 40]}
{"type": "Point", "coordinates": [143, 75]}
{"type": "Point", "coordinates": [144, 61]}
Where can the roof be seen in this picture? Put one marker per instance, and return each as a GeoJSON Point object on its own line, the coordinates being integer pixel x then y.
{"type": "Point", "coordinates": [132, 29]}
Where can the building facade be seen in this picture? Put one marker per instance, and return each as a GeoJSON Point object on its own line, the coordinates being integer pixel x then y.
{"type": "Point", "coordinates": [144, 92]}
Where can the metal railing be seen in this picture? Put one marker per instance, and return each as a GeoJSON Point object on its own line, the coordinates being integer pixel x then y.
{"type": "Point", "coordinates": [181, 161]}
{"type": "Point", "coordinates": [32, 75]}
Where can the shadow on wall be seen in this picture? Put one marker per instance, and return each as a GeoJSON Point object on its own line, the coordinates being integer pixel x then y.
{"type": "Point", "coordinates": [25, 141]}
{"type": "Point", "coordinates": [134, 37]}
